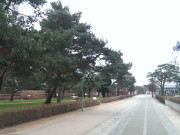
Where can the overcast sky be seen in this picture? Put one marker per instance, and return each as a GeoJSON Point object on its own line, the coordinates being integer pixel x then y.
{"type": "Point", "coordinates": [144, 30]}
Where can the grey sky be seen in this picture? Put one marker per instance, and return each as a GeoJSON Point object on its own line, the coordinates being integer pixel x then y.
{"type": "Point", "coordinates": [144, 30]}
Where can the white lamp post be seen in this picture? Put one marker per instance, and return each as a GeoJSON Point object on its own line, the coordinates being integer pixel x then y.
{"type": "Point", "coordinates": [82, 99]}
{"type": "Point", "coordinates": [116, 91]}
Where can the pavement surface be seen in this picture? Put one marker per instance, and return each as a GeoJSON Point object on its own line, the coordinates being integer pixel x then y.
{"type": "Point", "coordinates": [139, 115]}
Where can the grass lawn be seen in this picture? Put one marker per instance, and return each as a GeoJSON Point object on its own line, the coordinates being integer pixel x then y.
{"type": "Point", "coordinates": [23, 103]}
{"type": "Point", "coordinates": [172, 94]}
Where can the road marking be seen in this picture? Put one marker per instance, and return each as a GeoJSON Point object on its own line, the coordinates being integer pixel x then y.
{"type": "Point", "coordinates": [115, 124]}
{"type": "Point", "coordinates": [145, 121]}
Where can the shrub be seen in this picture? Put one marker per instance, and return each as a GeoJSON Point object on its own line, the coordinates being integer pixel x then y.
{"type": "Point", "coordinates": [160, 98]}
{"type": "Point", "coordinates": [16, 116]}
{"type": "Point", "coordinates": [123, 96]}
{"type": "Point", "coordinates": [90, 102]}
{"type": "Point", "coordinates": [108, 99]}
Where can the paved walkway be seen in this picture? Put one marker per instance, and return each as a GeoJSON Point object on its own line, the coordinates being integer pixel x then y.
{"type": "Point", "coordinates": [146, 117]}
{"type": "Point", "coordinates": [140, 115]}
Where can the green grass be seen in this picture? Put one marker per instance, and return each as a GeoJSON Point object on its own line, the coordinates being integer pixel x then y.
{"type": "Point", "coordinates": [24, 103]}
{"type": "Point", "coordinates": [173, 94]}
{"type": "Point", "coordinates": [15, 116]}
{"type": "Point", "coordinates": [6, 106]}
{"type": "Point", "coordinates": [173, 99]}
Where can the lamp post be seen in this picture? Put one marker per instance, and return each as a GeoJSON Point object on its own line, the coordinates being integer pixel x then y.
{"type": "Point", "coordinates": [88, 81]}
{"type": "Point", "coordinates": [116, 91]}
{"type": "Point", "coordinates": [82, 99]}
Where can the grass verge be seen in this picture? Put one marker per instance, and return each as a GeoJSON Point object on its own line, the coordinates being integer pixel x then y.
{"type": "Point", "coordinates": [14, 116]}
{"type": "Point", "coordinates": [24, 103]}
{"type": "Point", "coordinates": [170, 98]}
{"type": "Point", "coordinates": [173, 99]}
{"type": "Point", "coordinates": [22, 114]}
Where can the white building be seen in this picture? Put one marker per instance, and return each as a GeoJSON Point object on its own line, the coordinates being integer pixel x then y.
{"type": "Point", "coordinates": [168, 89]}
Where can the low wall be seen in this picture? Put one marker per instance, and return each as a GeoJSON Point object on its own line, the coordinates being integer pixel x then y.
{"type": "Point", "coordinates": [32, 94]}
{"type": "Point", "coordinates": [7, 96]}
{"type": "Point", "coordinates": [26, 94]}
{"type": "Point", "coordinates": [172, 104]}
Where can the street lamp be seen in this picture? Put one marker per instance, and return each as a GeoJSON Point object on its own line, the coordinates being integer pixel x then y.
{"type": "Point", "coordinates": [116, 90]}
{"type": "Point", "coordinates": [82, 99]}
{"type": "Point", "coordinates": [88, 81]}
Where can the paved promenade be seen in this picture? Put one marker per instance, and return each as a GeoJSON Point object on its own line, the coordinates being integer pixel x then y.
{"type": "Point", "coordinates": [139, 115]}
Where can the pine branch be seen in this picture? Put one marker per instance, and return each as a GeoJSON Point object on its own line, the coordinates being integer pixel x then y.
{"type": "Point", "coordinates": [8, 5]}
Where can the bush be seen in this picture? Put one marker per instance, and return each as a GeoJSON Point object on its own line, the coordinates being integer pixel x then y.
{"type": "Point", "coordinates": [160, 98]}
{"type": "Point", "coordinates": [90, 102]}
{"type": "Point", "coordinates": [16, 116]}
{"type": "Point", "coordinates": [108, 99]}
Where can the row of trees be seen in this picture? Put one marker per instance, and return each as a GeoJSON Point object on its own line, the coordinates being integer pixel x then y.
{"type": "Point", "coordinates": [165, 73]}
{"type": "Point", "coordinates": [58, 56]}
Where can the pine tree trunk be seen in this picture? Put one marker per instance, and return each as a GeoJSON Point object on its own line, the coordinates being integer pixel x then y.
{"type": "Point", "coordinates": [3, 73]}
{"type": "Point", "coordinates": [54, 94]}
{"type": "Point", "coordinates": [103, 94]}
{"type": "Point", "coordinates": [98, 94]}
{"type": "Point", "coordinates": [89, 93]}
{"type": "Point", "coordinates": [50, 95]}
{"type": "Point", "coordinates": [162, 87]}
{"type": "Point", "coordinates": [59, 95]}
{"type": "Point", "coordinates": [1, 80]}
{"type": "Point", "coordinates": [130, 92]}
{"type": "Point", "coordinates": [63, 94]}
{"type": "Point", "coordinates": [12, 96]}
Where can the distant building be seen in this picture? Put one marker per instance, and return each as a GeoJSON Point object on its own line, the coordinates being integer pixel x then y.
{"type": "Point", "coordinates": [168, 89]}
